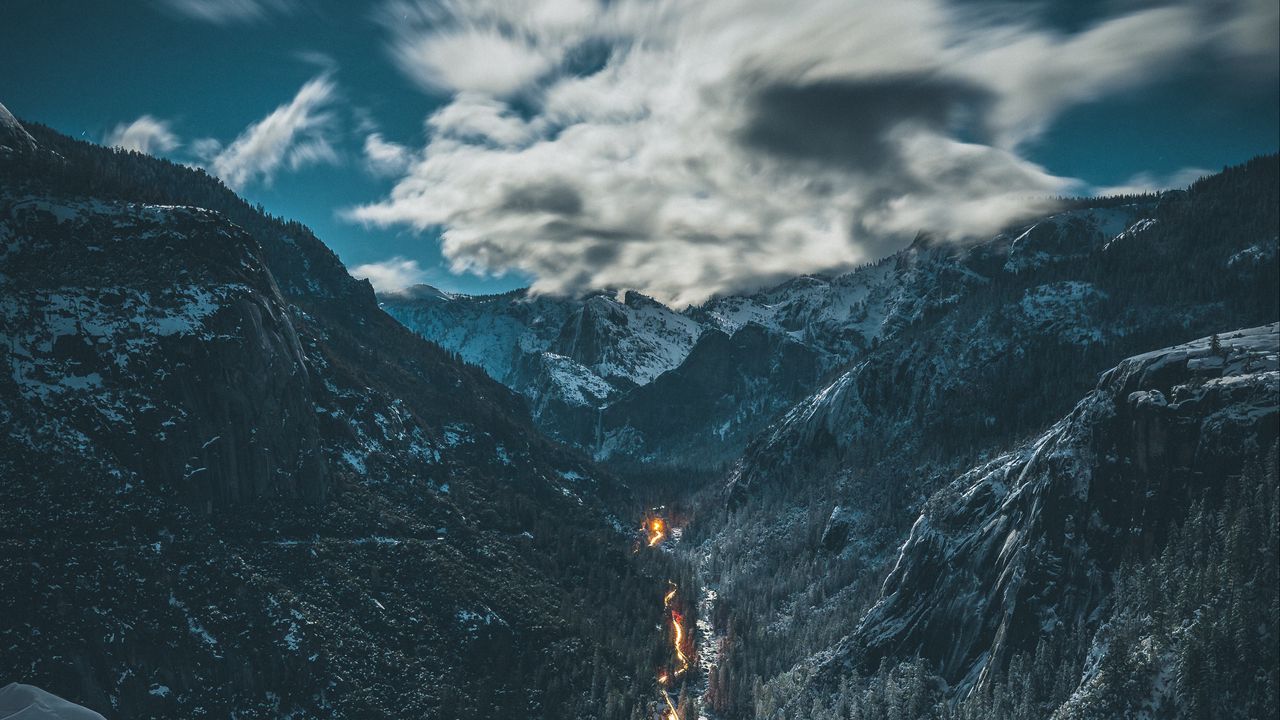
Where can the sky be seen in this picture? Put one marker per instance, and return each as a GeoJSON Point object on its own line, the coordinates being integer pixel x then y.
{"type": "Point", "coordinates": [682, 148]}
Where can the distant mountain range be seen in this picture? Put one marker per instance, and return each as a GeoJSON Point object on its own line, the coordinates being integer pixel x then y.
{"type": "Point", "coordinates": [875, 422]}
{"type": "Point", "coordinates": [602, 371]}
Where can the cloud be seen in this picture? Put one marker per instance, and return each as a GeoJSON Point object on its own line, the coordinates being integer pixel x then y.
{"type": "Point", "coordinates": [469, 45]}
{"type": "Point", "coordinates": [145, 135]}
{"type": "Point", "coordinates": [384, 158]}
{"type": "Point", "coordinates": [293, 136]}
{"type": "Point", "coordinates": [317, 59]}
{"type": "Point", "coordinates": [392, 275]}
{"type": "Point", "coordinates": [1146, 182]}
{"type": "Point", "coordinates": [692, 148]}
{"type": "Point", "coordinates": [226, 12]}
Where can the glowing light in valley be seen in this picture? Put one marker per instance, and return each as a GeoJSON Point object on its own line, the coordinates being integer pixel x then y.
{"type": "Point", "coordinates": [672, 713]}
{"type": "Point", "coordinates": [677, 622]}
{"type": "Point", "coordinates": [657, 531]}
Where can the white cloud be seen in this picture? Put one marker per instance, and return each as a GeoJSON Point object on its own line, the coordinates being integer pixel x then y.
{"type": "Point", "coordinates": [472, 45]}
{"type": "Point", "coordinates": [480, 61]}
{"type": "Point", "coordinates": [146, 135]}
{"type": "Point", "coordinates": [225, 12]}
{"type": "Point", "coordinates": [390, 275]}
{"type": "Point", "coordinates": [1145, 182]}
{"type": "Point", "coordinates": [687, 148]}
{"type": "Point", "coordinates": [315, 58]}
{"type": "Point", "coordinates": [384, 158]}
{"type": "Point", "coordinates": [294, 135]}
{"type": "Point", "coordinates": [473, 116]}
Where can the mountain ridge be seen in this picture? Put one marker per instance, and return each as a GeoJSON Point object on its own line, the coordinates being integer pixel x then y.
{"type": "Point", "coordinates": [284, 493]}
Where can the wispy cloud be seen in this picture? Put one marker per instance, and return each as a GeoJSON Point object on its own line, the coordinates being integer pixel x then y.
{"type": "Point", "coordinates": [317, 59]}
{"type": "Point", "coordinates": [226, 12]}
{"type": "Point", "coordinates": [1146, 182]}
{"type": "Point", "coordinates": [689, 148]}
{"type": "Point", "coordinates": [468, 45]}
{"type": "Point", "coordinates": [385, 158]}
{"type": "Point", "coordinates": [147, 135]}
{"type": "Point", "coordinates": [295, 135]}
{"type": "Point", "coordinates": [392, 275]}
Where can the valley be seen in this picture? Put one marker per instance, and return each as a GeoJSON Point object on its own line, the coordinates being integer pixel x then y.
{"type": "Point", "coordinates": [1028, 475]}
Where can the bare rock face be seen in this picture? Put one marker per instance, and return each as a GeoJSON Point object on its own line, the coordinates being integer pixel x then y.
{"type": "Point", "coordinates": [1024, 545]}
{"type": "Point", "coordinates": [27, 702]}
{"type": "Point", "coordinates": [192, 377]}
{"type": "Point", "coordinates": [13, 137]}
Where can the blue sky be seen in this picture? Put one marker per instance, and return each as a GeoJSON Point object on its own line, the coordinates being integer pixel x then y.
{"type": "Point", "coordinates": [675, 147]}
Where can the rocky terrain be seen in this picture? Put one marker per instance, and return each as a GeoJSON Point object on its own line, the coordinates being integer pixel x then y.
{"type": "Point", "coordinates": [234, 487]}
{"type": "Point", "coordinates": [1024, 476]}
{"type": "Point", "coordinates": [841, 410]}
{"type": "Point", "coordinates": [1024, 548]}
{"type": "Point", "coordinates": [842, 478]}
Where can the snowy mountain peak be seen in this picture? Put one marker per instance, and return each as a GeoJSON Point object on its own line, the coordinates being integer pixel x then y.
{"type": "Point", "coordinates": [422, 291]}
{"type": "Point", "coordinates": [13, 137]}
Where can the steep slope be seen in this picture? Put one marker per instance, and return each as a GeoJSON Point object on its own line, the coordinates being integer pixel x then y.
{"type": "Point", "coordinates": [740, 379]}
{"type": "Point", "coordinates": [1024, 545]}
{"type": "Point", "coordinates": [14, 138]}
{"type": "Point", "coordinates": [31, 703]}
{"type": "Point", "coordinates": [568, 357]}
{"type": "Point", "coordinates": [1008, 334]}
{"type": "Point", "coordinates": [1062, 298]}
{"type": "Point", "coordinates": [1021, 552]}
{"type": "Point", "coordinates": [233, 486]}
{"type": "Point", "coordinates": [589, 366]}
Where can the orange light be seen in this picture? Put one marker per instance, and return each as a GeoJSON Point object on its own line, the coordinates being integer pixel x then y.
{"type": "Point", "coordinates": [677, 621]}
{"type": "Point", "coordinates": [657, 530]}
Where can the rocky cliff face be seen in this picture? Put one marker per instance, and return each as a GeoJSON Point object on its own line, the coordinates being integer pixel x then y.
{"type": "Point", "coordinates": [158, 334]}
{"type": "Point", "coordinates": [233, 486]}
{"type": "Point", "coordinates": [998, 341]}
{"type": "Point", "coordinates": [1025, 545]}
{"type": "Point", "coordinates": [1064, 298]}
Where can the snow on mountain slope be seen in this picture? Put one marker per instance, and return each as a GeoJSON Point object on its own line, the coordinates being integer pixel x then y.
{"type": "Point", "coordinates": [493, 332]}
{"type": "Point", "coordinates": [630, 341]}
{"type": "Point", "coordinates": [838, 317]}
{"type": "Point", "coordinates": [13, 137]}
{"type": "Point", "coordinates": [619, 342]}
{"type": "Point", "coordinates": [1049, 281]}
{"type": "Point", "coordinates": [26, 702]}
{"type": "Point", "coordinates": [217, 454]}
{"type": "Point", "coordinates": [1022, 546]}
{"type": "Point", "coordinates": [1068, 234]}
{"type": "Point", "coordinates": [823, 498]}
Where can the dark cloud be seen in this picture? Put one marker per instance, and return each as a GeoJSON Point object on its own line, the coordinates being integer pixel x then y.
{"type": "Point", "coordinates": [848, 123]}
{"type": "Point", "coordinates": [691, 148]}
{"type": "Point", "coordinates": [552, 196]}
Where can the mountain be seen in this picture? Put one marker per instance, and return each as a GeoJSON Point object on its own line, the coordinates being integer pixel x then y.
{"type": "Point", "coordinates": [568, 357]}
{"type": "Point", "coordinates": [1005, 337]}
{"type": "Point", "coordinates": [1023, 549]}
{"type": "Point", "coordinates": [235, 487]}
{"type": "Point", "coordinates": [599, 370]}
{"type": "Point", "coordinates": [14, 138]}
{"type": "Point", "coordinates": [1025, 476]}
{"type": "Point", "coordinates": [32, 703]}
{"type": "Point", "coordinates": [848, 408]}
